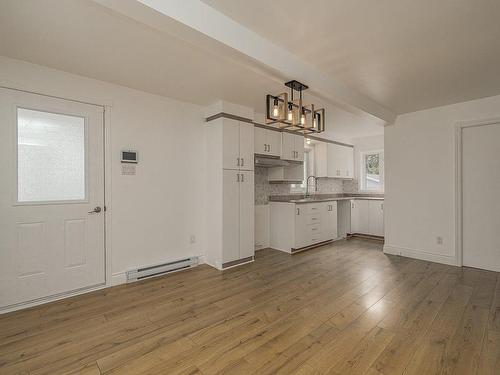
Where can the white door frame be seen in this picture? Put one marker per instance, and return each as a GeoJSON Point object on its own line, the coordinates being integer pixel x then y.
{"type": "Point", "coordinates": [106, 105]}
{"type": "Point", "coordinates": [458, 182]}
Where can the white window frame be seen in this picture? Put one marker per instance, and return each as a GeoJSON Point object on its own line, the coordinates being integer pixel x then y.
{"type": "Point", "coordinates": [362, 171]}
{"type": "Point", "coordinates": [15, 190]}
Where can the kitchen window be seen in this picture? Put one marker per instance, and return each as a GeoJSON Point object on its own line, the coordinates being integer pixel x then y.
{"type": "Point", "coordinates": [372, 171]}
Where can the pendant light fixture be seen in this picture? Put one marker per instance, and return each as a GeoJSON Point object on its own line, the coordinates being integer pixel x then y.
{"type": "Point", "coordinates": [292, 114]}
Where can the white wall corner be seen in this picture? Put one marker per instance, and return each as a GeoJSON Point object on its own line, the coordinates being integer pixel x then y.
{"type": "Point", "coordinates": [421, 255]}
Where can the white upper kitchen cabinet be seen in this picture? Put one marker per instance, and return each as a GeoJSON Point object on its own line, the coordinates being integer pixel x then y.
{"type": "Point", "coordinates": [237, 145]}
{"type": "Point", "coordinates": [347, 162]}
{"type": "Point", "coordinates": [333, 160]}
{"type": "Point", "coordinates": [292, 147]}
{"type": "Point", "coordinates": [267, 142]}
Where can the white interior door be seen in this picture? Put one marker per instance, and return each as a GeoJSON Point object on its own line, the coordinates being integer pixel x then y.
{"type": "Point", "coordinates": [51, 163]}
{"type": "Point", "coordinates": [480, 203]}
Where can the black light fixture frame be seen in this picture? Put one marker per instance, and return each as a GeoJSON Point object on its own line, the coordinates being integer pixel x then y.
{"type": "Point", "coordinates": [294, 85]}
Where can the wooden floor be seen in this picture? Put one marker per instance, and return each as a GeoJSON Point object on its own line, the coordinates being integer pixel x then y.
{"type": "Point", "coordinates": [340, 309]}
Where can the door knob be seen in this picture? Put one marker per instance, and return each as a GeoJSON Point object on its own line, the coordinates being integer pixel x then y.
{"type": "Point", "coordinates": [96, 210]}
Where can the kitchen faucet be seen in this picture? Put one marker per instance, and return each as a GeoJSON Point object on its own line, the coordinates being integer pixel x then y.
{"type": "Point", "coordinates": [315, 185]}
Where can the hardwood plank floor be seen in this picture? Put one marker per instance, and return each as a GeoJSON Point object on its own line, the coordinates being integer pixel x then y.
{"type": "Point", "coordinates": [344, 308]}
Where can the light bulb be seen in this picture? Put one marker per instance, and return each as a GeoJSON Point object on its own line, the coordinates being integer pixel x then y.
{"type": "Point", "coordinates": [290, 113]}
{"type": "Point", "coordinates": [315, 123]}
{"type": "Point", "coordinates": [275, 108]}
{"type": "Point", "coordinates": [302, 119]}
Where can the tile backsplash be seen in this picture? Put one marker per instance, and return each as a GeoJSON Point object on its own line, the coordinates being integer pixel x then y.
{"type": "Point", "coordinates": [263, 189]}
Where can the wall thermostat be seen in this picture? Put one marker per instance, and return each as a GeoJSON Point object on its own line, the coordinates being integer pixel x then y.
{"type": "Point", "coordinates": [130, 156]}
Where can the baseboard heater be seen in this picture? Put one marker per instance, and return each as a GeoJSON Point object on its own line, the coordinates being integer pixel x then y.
{"type": "Point", "coordinates": [161, 269]}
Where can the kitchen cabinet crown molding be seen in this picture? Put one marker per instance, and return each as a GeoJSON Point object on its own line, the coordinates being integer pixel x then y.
{"type": "Point", "coordinates": [256, 124]}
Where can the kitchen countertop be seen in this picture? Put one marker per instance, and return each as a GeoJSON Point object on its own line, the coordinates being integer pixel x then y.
{"type": "Point", "coordinates": [299, 198]}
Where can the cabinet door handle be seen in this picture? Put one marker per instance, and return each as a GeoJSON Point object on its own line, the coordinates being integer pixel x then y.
{"type": "Point", "coordinates": [242, 162]}
{"type": "Point", "coordinates": [237, 177]}
{"type": "Point", "coordinates": [238, 162]}
{"type": "Point", "coordinates": [298, 211]}
{"type": "Point", "coordinates": [382, 207]}
{"type": "Point", "coordinates": [242, 177]}
{"type": "Point", "coordinates": [269, 148]}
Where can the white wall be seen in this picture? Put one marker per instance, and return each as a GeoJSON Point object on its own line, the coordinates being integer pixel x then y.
{"type": "Point", "coordinates": [153, 213]}
{"type": "Point", "coordinates": [420, 179]}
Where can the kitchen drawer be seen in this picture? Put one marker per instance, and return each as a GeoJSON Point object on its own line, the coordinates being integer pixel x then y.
{"type": "Point", "coordinates": [312, 208]}
{"type": "Point", "coordinates": [314, 230]}
{"type": "Point", "coordinates": [313, 219]}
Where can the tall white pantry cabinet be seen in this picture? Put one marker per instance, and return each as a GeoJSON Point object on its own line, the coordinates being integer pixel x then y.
{"type": "Point", "coordinates": [230, 192]}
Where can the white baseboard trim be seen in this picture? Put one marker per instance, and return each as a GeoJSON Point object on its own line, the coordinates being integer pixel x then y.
{"type": "Point", "coordinates": [420, 254]}
{"type": "Point", "coordinates": [44, 300]}
{"type": "Point", "coordinates": [117, 278]}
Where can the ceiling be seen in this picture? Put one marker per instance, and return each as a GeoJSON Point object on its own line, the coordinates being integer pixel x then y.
{"type": "Point", "coordinates": [82, 37]}
{"type": "Point", "coordinates": [406, 55]}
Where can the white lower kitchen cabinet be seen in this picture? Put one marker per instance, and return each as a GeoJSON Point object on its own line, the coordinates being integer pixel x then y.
{"type": "Point", "coordinates": [359, 216]}
{"type": "Point", "coordinates": [376, 218]}
{"type": "Point", "coordinates": [237, 227]}
{"type": "Point", "coordinates": [295, 226]}
{"type": "Point", "coordinates": [367, 217]}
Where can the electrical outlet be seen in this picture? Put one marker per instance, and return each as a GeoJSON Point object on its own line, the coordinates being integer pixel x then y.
{"type": "Point", "coordinates": [439, 240]}
{"type": "Point", "coordinates": [192, 239]}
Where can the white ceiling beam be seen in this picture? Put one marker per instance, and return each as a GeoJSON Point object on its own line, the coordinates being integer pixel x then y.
{"type": "Point", "coordinates": [207, 28]}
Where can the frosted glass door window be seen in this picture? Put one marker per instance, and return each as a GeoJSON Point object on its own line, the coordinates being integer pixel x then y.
{"type": "Point", "coordinates": [50, 156]}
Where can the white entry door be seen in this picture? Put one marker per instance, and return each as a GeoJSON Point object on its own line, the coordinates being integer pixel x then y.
{"type": "Point", "coordinates": [480, 200]}
{"type": "Point", "coordinates": [51, 197]}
